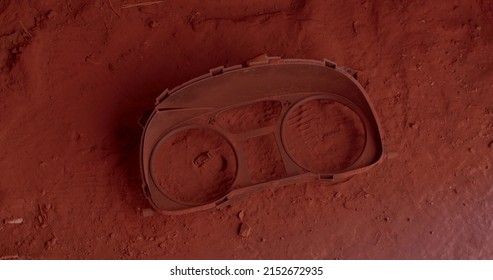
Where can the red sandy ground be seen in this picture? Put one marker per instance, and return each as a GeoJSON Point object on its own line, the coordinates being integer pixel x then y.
{"type": "Point", "coordinates": [76, 76]}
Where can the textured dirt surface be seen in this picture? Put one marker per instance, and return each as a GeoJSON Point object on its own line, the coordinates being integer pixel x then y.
{"type": "Point", "coordinates": [263, 158]}
{"type": "Point", "coordinates": [250, 117]}
{"type": "Point", "coordinates": [194, 166]}
{"type": "Point", "coordinates": [76, 76]}
{"type": "Point", "coordinates": [325, 136]}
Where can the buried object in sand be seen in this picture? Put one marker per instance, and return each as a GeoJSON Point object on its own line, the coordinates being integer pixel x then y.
{"type": "Point", "coordinates": [267, 123]}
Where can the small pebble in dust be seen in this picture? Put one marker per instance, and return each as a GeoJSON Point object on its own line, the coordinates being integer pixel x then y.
{"type": "Point", "coordinates": [14, 221]}
{"type": "Point", "coordinates": [244, 230]}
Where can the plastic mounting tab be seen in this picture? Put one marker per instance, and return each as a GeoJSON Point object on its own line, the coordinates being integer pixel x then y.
{"type": "Point", "coordinates": [216, 71]}
{"type": "Point", "coordinates": [330, 63]}
{"type": "Point", "coordinates": [162, 96]}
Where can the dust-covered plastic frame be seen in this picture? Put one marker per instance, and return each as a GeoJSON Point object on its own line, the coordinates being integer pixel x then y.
{"type": "Point", "coordinates": [291, 82]}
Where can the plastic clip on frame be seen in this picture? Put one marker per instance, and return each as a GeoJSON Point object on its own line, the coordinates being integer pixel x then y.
{"type": "Point", "coordinates": [291, 82]}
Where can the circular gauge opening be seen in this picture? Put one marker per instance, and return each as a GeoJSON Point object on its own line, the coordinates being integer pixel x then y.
{"type": "Point", "coordinates": [323, 135]}
{"type": "Point", "coordinates": [194, 165]}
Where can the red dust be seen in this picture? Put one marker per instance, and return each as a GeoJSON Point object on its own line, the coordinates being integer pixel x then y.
{"type": "Point", "coordinates": [75, 76]}
{"type": "Point", "coordinates": [194, 166]}
{"type": "Point", "coordinates": [324, 136]}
